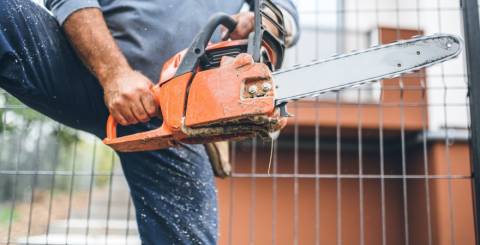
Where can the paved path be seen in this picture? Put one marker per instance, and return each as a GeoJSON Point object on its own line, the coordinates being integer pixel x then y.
{"type": "Point", "coordinates": [103, 224]}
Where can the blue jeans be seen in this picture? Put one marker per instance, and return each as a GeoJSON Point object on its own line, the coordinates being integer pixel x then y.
{"type": "Point", "coordinates": [173, 190]}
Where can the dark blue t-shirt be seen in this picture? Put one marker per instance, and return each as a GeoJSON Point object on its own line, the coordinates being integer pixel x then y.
{"type": "Point", "coordinates": [151, 31]}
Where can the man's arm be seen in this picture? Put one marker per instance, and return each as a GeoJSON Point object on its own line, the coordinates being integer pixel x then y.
{"type": "Point", "coordinates": [127, 92]}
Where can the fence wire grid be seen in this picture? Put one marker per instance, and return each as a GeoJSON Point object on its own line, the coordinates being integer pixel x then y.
{"type": "Point", "coordinates": [386, 163]}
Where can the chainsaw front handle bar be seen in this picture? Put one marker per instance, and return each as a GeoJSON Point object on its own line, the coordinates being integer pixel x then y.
{"type": "Point", "coordinates": [196, 51]}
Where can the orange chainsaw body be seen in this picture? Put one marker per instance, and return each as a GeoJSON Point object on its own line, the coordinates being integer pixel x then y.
{"type": "Point", "coordinates": [207, 106]}
{"type": "Point", "coordinates": [214, 93]}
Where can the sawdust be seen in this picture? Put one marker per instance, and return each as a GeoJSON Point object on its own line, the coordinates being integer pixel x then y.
{"type": "Point", "coordinates": [246, 127]}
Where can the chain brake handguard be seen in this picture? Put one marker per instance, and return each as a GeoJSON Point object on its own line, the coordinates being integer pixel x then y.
{"type": "Point", "coordinates": [203, 92]}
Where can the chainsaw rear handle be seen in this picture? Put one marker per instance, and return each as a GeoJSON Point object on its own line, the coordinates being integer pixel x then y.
{"type": "Point", "coordinates": [111, 128]}
{"type": "Point", "coordinates": [189, 62]}
{"type": "Point", "coordinates": [160, 138]}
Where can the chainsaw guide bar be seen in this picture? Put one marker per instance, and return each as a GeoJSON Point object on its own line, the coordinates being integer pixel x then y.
{"type": "Point", "coordinates": [360, 67]}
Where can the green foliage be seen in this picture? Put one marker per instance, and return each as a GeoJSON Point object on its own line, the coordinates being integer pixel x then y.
{"type": "Point", "coordinates": [6, 214]}
{"type": "Point", "coordinates": [3, 126]}
{"type": "Point", "coordinates": [27, 114]}
{"type": "Point", "coordinates": [18, 125]}
{"type": "Point", "coordinates": [66, 136]}
{"type": "Point", "coordinates": [57, 148]}
{"type": "Point", "coordinates": [105, 163]}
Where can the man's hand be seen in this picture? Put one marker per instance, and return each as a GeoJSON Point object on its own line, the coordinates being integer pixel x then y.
{"type": "Point", "coordinates": [246, 24]}
{"type": "Point", "coordinates": [129, 98]}
{"type": "Point", "coordinates": [127, 92]}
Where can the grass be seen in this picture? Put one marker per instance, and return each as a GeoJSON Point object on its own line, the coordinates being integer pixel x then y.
{"type": "Point", "coordinates": [6, 214]}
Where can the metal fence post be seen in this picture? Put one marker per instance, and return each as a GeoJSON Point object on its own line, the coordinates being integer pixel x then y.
{"type": "Point", "coordinates": [471, 24]}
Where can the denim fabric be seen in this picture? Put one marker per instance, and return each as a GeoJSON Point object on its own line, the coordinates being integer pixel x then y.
{"type": "Point", "coordinates": [173, 190]}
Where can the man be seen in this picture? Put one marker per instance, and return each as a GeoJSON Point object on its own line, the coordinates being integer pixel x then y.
{"type": "Point", "coordinates": [96, 57]}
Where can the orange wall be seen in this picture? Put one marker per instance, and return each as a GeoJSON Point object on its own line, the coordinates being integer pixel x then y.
{"type": "Point", "coordinates": [237, 207]}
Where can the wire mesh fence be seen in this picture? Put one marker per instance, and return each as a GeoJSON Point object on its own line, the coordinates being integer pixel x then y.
{"type": "Point", "coordinates": [381, 164]}
{"type": "Point", "coordinates": [386, 163]}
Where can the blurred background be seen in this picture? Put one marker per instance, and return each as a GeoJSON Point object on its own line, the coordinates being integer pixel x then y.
{"type": "Point", "coordinates": [386, 163]}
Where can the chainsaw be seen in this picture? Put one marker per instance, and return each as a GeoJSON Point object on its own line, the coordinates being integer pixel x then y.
{"type": "Point", "coordinates": [234, 90]}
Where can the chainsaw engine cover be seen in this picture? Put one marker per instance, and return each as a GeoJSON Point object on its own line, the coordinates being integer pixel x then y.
{"type": "Point", "coordinates": [232, 102]}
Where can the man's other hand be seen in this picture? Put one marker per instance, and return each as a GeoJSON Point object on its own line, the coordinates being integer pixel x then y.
{"type": "Point", "coordinates": [246, 24]}
{"type": "Point", "coordinates": [129, 98]}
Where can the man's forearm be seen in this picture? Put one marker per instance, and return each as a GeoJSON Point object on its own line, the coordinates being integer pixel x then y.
{"type": "Point", "coordinates": [88, 33]}
{"type": "Point", "coordinates": [127, 92]}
